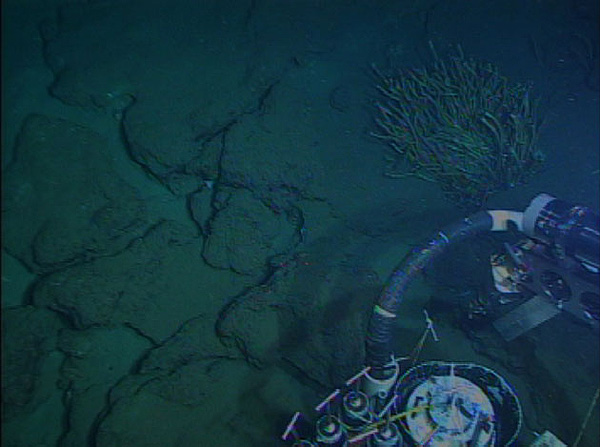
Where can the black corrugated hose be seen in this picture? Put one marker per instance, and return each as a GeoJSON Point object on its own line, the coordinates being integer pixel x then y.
{"type": "Point", "coordinates": [379, 352]}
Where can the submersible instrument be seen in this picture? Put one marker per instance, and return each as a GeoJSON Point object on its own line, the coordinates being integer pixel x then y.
{"type": "Point", "coordinates": [437, 404]}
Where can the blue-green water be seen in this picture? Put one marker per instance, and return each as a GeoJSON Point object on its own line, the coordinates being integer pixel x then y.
{"type": "Point", "coordinates": [196, 217]}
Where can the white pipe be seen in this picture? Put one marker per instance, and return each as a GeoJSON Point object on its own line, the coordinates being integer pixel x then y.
{"type": "Point", "coordinates": [501, 218]}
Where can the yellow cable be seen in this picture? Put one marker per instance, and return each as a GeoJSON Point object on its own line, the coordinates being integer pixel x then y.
{"type": "Point", "coordinates": [395, 417]}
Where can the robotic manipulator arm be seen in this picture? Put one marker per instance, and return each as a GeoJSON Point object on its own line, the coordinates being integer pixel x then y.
{"type": "Point", "coordinates": [439, 403]}
{"type": "Point", "coordinates": [558, 263]}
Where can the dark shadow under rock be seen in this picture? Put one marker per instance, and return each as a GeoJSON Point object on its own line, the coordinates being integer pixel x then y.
{"type": "Point", "coordinates": [30, 371]}
{"type": "Point", "coordinates": [28, 335]}
{"type": "Point", "coordinates": [179, 79]}
{"type": "Point", "coordinates": [62, 201]}
{"type": "Point", "coordinates": [154, 286]}
{"type": "Point", "coordinates": [244, 234]}
{"type": "Point", "coordinates": [97, 359]}
{"type": "Point", "coordinates": [311, 313]}
{"type": "Point", "coordinates": [209, 402]}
